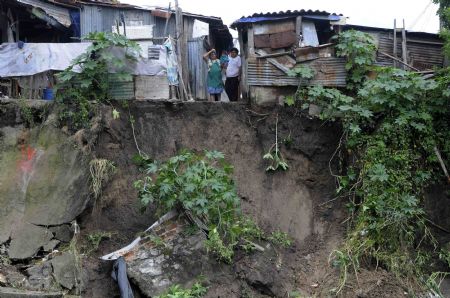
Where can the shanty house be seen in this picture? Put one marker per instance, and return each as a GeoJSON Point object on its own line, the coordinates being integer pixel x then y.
{"type": "Point", "coordinates": [66, 21]}
{"type": "Point", "coordinates": [273, 43]}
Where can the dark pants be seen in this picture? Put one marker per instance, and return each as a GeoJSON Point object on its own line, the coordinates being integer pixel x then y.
{"type": "Point", "coordinates": [232, 88]}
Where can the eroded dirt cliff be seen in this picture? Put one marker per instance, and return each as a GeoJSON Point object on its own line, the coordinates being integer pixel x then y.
{"type": "Point", "coordinates": [299, 201]}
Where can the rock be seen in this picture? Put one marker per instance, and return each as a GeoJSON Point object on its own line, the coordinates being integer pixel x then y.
{"type": "Point", "coordinates": [51, 245]}
{"type": "Point", "coordinates": [2, 280]}
{"type": "Point", "coordinates": [26, 241]}
{"type": "Point", "coordinates": [63, 233]}
{"type": "Point", "coordinates": [44, 179]}
{"type": "Point", "coordinates": [65, 270]}
{"type": "Point", "coordinates": [16, 293]}
{"type": "Point", "coordinates": [261, 272]}
{"type": "Point", "coordinates": [445, 287]}
{"type": "Point", "coordinates": [40, 277]}
{"type": "Point", "coordinates": [59, 189]}
{"type": "Point", "coordinates": [153, 271]}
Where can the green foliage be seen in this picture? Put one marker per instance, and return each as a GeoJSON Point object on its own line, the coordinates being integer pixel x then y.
{"type": "Point", "coordinates": [444, 15]}
{"type": "Point", "coordinates": [94, 239]}
{"type": "Point", "coordinates": [391, 125]}
{"type": "Point", "coordinates": [86, 81]}
{"type": "Point", "coordinates": [176, 291]}
{"type": "Point", "coordinates": [303, 73]}
{"type": "Point", "coordinates": [444, 6]}
{"type": "Point", "coordinates": [274, 155]}
{"type": "Point", "coordinates": [359, 48]}
{"type": "Point", "coordinates": [280, 238]}
{"type": "Point", "coordinates": [25, 112]}
{"type": "Point", "coordinates": [201, 184]}
{"type": "Point", "coordinates": [276, 159]}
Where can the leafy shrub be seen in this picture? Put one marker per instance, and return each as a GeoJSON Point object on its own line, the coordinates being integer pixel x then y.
{"type": "Point", "coordinates": [176, 291]}
{"type": "Point", "coordinates": [392, 125]}
{"type": "Point", "coordinates": [88, 78]}
{"type": "Point", "coordinates": [202, 185]}
{"type": "Point", "coordinates": [359, 48]}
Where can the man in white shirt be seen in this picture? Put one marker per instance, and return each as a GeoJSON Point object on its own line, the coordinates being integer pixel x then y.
{"type": "Point", "coordinates": [233, 73]}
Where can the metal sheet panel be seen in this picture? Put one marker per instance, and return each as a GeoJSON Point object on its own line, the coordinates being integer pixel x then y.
{"type": "Point", "coordinates": [274, 27]}
{"type": "Point", "coordinates": [198, 70]}
{"type": "Point", "coordinates": [160, 23]}
{"type": "Point", "coordinates": [121, 89]}
{"type": "Point", "coordinates": [151, 87]}
{"type": "Point", "coordinates": [91, 19]}
{"type": "Point", "coordinates": [421, 54]}
{"type": "Point", "coordinates": [329, 72]}
{"type": "Point", "coordinates": [60, 14]}
{"type": "Point", "coordinates": [95, 18]}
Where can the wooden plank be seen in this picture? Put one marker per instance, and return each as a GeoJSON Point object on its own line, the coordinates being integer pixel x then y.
{"type": "Point", "coordinates": [251, 42]}
{"type": "Point", "coordinates": [161, 14]}
{"type": "Point", "coordinates": [262, 41]}
{"type": "Point", "coordinates": [298, 29]}
{"type": "Point", "coordinates": [282, 40]}
{"type": "Point", "coordinates": [244, 74]}
{"type": "Point", "coordinates": [274, 27]}
{"type": "Point", "coordinates": [395, 42]}
{"type": "Point", "coordinates": [404, 51]}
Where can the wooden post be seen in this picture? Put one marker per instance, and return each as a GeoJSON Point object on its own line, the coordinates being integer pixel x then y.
{"type": "Point", "coordinates": [169, 14]}
{"type": "Point", "coordinates": [179, 33]}
{"type": "Point", "coordinates": [395, 43]}
{"type": "Point", "coordinates": [243, 83]}
{"type": "Point", "coordinates": [404, 52]}
{"type": "Point", "coordinates": [298, 29]}
{"type": "Point", "coordinates": [251, 42]}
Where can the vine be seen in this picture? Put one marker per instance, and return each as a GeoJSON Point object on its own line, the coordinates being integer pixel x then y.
{"type": "Point", "coordinates": [393, 125]}
{"type": "Point", "coordinates": [201, 186]}
{"type": "Point", "coordinates": [87, 80]}
{"type": "Point", "coordinates": [359, 49]}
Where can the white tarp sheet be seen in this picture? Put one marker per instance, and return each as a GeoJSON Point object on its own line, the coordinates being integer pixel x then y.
{"type": "Point", "coordinates": [200, 29]}
{"type": "Point", "coordinates": [35, 58]}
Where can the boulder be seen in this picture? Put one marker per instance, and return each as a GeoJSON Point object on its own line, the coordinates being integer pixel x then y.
{"type": "Point", "coordinates": [40, 277]}
{"type": "Point", "coordinates": [16, 293]}
{"type": "Point", "coordinates": [44, 180]}
{"type": "Point", "coordinates": [26, 240]}
{"type": "Point", "coordinates": [65, 270]}
{"type": "Point", "coordinates": [181, 261]}
{"type": "Point", "coordinates": [63, 233]}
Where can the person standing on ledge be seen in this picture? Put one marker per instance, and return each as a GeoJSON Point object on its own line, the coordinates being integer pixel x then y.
{"type": "Point", "coordinates": [233, 73]}
{"type": "Point", "coordinates": [214, 81]}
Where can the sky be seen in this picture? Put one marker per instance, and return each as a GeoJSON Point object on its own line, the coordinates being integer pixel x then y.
{"type": "Point", "coordinates": [419, 15]}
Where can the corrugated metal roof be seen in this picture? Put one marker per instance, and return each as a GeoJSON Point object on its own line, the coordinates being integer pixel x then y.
{"type": "Point", "coordinates": [379, 29]}
{"type": "Point", "coordinates": [284, 14]}
{"type": "Point", "coordinates": [60, 14]}
{"type": "Point", "coordinates": [293, 13]}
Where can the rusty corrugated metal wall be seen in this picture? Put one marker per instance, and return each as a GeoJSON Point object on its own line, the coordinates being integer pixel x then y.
{"type": "Point", "coordinates": [329, 72]}
{"type": "Point", "coordinates": [423, 53]}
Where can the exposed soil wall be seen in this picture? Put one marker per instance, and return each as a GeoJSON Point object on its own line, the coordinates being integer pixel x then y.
{"type": "Point", "coordinates": [287, 201]}
{"type": "Point", "coordinates": [299, 201]}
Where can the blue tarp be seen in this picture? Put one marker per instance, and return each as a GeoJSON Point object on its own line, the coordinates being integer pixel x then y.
{"type": "Point", "coordinates": [274, 18]}
{"type": "Point", "coordinates": [75, 19]}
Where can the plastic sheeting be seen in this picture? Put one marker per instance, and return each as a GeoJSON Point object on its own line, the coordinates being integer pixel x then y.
{"type": "Point", "coordinates": [119, 274]}
{"type": "Point", "coordinates": [200, 29]}
{"type": "Point", "coordinates": [35, 58]}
